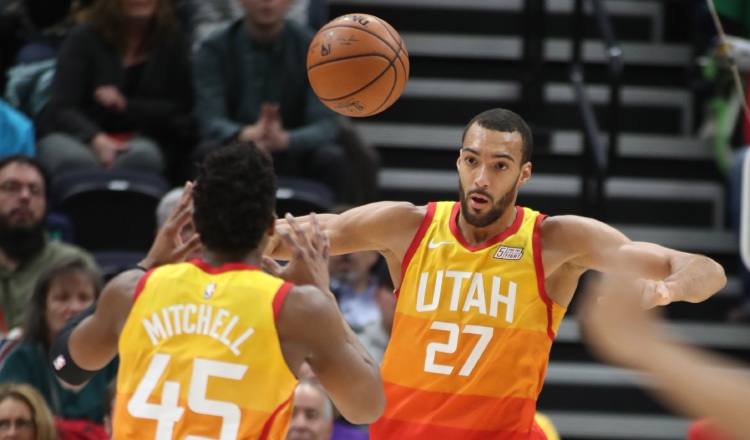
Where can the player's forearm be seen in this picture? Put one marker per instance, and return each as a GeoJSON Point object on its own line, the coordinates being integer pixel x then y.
{"type": "Point", "coordinates": [695, 278]}
{"type": "Point", "coordinates": [700, 384]}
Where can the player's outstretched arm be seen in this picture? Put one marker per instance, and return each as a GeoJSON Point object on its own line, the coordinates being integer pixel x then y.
{"type": "Point", "coordinates": [381, 226]}
{"type": "Point", "coordinates": [691, 381]}
{"type": "Point", "coordinates": [89, 340]}
{"type": "Point", "coordinates": [665, 274]}
{"type": "Point", "coordinates": [311, 328]}
{"type": "Point", "coordinates": [310, 320]}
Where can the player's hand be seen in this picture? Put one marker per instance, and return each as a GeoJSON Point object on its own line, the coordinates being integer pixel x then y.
{"type": "Point", "coordinates": [310, 251]}
{"type": "Point", "coordinates": [106, 149]}
{"type": "Point", "coordinates": [614, 321]}
{"type": "Point", "coordinates": [168, 246]}
{"type": "Point", "coordinates": [654, 293]}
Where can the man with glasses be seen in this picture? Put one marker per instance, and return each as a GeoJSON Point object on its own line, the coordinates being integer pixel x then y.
{"type": "Point", "coordinates": [25, 248]}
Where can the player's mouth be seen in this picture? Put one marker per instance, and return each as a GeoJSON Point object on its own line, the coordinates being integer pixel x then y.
{"type": "Point", "coordinates": [478, 202]}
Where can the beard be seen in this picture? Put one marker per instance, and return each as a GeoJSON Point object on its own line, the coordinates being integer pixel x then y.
{"type": "Point", "coordinates": [21, 243]}
{"type": "Point", "coordinates": [496, 211]}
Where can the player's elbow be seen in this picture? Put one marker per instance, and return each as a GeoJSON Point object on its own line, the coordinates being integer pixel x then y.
{"type": "Point", "coordinates": [369, 411]}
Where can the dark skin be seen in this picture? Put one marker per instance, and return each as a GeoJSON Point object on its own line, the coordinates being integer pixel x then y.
{"type": "Point", "coordinates": [309, 325]}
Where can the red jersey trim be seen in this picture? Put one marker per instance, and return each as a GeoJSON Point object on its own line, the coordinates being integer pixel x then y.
{"type": "Point", "coordinates": [226, 267]}
{"type": "Point", "coordinates": [510, 230]}
{"type": "Point", "coordinates": [415, 242]}
{"type": "Point", "coordinates": [278, 299]}
{"type": "Point", "coordinates": [269, 423]}
{"type": "Point", "coordinates": [141, 284]}
{"type": "Point", "coordinates": [537, 245]}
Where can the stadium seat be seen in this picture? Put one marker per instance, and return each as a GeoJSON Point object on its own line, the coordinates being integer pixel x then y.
{"type": "Point", "coordinates": [110, 210]}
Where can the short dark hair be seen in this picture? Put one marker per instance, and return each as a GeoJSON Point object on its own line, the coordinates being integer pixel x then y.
{"type": "Point", "coordinates": [30, 161]}
{"type": "Point", "coordinates": [500, 119]}
{"type": "Point", "coordinates": [36, 329]}
{"type": "Point", "coordinates": [234, 197]}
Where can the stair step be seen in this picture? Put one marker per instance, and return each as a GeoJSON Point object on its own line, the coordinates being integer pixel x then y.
{"type": "Point", "coordinates": [562, 142]}
{"type": "Point", "coordinates": [577, 425]}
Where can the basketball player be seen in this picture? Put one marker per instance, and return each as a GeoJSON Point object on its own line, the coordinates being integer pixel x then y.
{"type": "Point", "coordinates": [482, 286]}
{"type": "Point", "coordinates": [693, 382]}
{"type": "Point", "coordinates": [211, 348]}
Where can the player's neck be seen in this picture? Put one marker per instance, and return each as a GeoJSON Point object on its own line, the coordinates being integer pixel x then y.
{"type": "Point", "coordinates": [217, 259]}
{"type": "Point", "coordinates": [477, 236]}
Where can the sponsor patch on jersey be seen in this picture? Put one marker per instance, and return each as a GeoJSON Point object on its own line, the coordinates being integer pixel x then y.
{"type": "Point", "coordinates": [209, 292]}
{"type": "Point", "coordinates": [508, 253]}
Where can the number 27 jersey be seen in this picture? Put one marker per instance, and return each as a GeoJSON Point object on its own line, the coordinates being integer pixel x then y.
{"type": "Point", "coordinates": [471, 335]}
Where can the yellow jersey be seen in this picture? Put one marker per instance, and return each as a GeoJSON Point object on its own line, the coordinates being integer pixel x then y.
{"type": "Point", "coordinates": [200, 356]}
{"type": "Point", "coordinates": [471, 336]}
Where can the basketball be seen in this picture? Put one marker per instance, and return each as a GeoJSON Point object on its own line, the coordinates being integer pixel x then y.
{"type": "Point", "coordinates": [357, 65]}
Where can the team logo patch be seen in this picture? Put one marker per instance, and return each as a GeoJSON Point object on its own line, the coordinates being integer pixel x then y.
{"type": "Point", "coordinates": [59, 362]}
{"type": "Point", "coordinates": [509, 253]}
{"type": "Point", "coordinates": [209, 292]}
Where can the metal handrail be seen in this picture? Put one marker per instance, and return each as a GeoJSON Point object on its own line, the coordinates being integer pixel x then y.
{"type": "Point", "coordinates": [599, 157]}
{"type": "Point", "coordinates": [745, 213]}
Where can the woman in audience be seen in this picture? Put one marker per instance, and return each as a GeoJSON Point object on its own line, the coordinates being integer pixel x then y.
{"type": "Point", "coordinates": [122, 95]}
{"type": "Point", "coordinates": [67, 288]}
{"type": "Point", "coordinates": [24, 415]}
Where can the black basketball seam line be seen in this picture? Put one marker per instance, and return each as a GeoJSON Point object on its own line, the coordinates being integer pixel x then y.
{"type": "Point", "coordinates": [400, 43]}
{"type": "Point", "coordinates": [370, 83]}
{"type": "Point", "coordinates": [393, 86]}
{"type": "Point", "coordinates": [367, 31]}
{"type": "Point", "coordinates": [348, 58]}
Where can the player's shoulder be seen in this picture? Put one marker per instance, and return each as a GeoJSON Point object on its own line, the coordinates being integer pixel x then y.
{"type": "Point", "coordinates": [305, 305]}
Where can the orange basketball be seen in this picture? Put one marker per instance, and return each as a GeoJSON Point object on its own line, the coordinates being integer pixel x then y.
{"type": "Point", "coordinates": [357, 65]}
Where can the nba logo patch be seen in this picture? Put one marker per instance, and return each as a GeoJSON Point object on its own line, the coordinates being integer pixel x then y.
{"type": "Point", "coordinates": [209, 292]}
{"type": "Point", "coordinates": [508, 253]}
{"type": "Point", "coordinates": [59, 362]}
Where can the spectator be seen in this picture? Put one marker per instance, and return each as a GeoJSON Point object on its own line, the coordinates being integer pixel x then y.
{"type": "Point", "coordinates": [251, 84]}
{"type": "Point", "coordinates": [208, 17]}
{"type": "Point", "coordinates": [376, 334]}
{"type": "Point", "coordinates": [16, 132]}
{"type": "Point", "coordinates": [67, 288]}
{"type": "Point", "coordinates": [25, 248]}
{"type": "Point", "coordinates": [312, 416]}
{"type": "Point", "coordinates": [24, 415]}
{"type": "Point", "coordinates": [32, 30]}
{"type": "Point", "coordinates": [165, 206]}
{"type": "Point", "coordinates": [121, 96]}
{"type": "Point", "coordinates": [354, 285]}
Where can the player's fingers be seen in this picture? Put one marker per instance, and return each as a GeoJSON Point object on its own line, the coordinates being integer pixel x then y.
{"type": "Point", "coordinates": [299, 232]}
{"type": "Point", "coordinates": [191, 245]}
{"type": "Point", "coordinates": [326, 246]}
{"type": "Point", "coordinates": [272, 266]}
{"type": "Point", "coordinates": [294, 247]}
{"type": "Point", "coordinates": [318, 236]}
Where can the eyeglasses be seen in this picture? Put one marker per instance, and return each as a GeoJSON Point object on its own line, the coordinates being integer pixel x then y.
{"type": "Point", "coordinates": [21, 425]}
{"type": "Point", "coordinates": [15, 187]}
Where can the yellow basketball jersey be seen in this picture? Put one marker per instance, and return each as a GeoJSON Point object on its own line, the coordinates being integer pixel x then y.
{"type": "Point", "coordinates": [471, 336]}
{"type": "Point", "coordinates": [200, 356]}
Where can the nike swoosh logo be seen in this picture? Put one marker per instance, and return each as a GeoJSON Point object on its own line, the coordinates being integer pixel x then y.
{"type": "Point", "coordinates": [433, 244]}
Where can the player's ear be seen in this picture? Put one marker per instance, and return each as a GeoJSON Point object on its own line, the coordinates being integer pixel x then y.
{"type": "Point", "coordinates": [525, 173]}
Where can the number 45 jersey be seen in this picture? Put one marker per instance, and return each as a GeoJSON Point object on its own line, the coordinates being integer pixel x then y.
{"type": "Point", "coordinates": [471, 336]}
{"type": "Point", "coordinates": [200, 356]}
